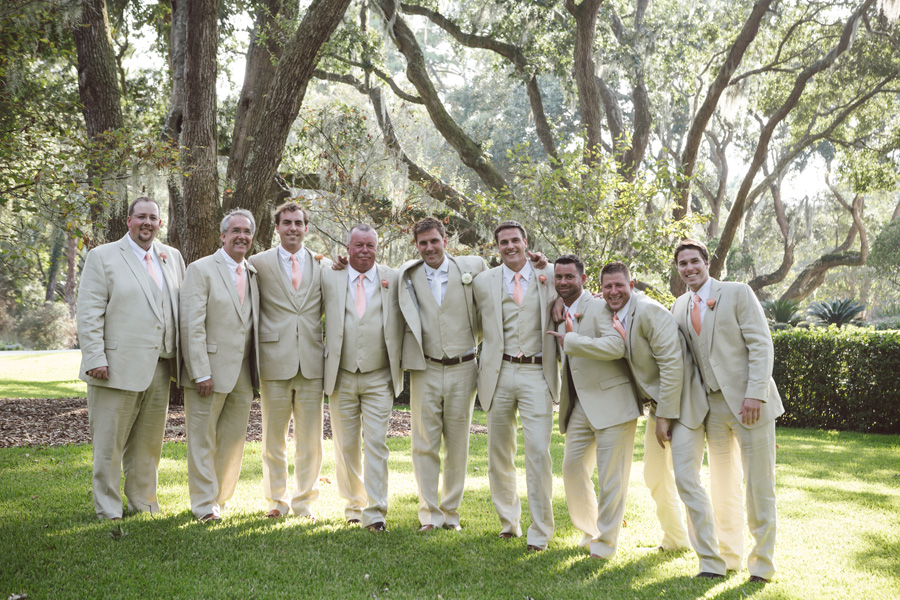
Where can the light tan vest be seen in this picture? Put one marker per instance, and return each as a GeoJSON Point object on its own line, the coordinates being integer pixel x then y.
{"type": "Point", "coordinates": [709, 378]}
{"type": "Point", "coordinates": [444, 334]}
{"type": "Point", "coordinates": [522, 324]}
{"type": "Point", "coordinates": [167, 336]}
{"type": "Point", "coordinates": [364, 349]}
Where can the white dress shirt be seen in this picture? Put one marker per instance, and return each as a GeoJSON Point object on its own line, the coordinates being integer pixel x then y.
{"type": "Point", "coordinates": [370, 282]}
{"type": "Point", "coordinates": [154, 260]}
{"type": "Point", "coordinates": [509, 274]}
{"type": "Point", "coordinates": [703, 292]}
{"type": "Point", "coordinates": [437, 280]}
{"type": "Point", "coordinates": [623, 314]}
{"type": "Point", "coordinates": [285, 258]}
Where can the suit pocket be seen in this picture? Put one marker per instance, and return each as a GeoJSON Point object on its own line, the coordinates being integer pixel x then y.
{"type": "Point", "coordinates": [211, 348]}
{"type": "Point", "coordinates": [268, 337]}
{"type": "Point", "coordinates": [605, 384]}
{"type": "Point", "coordinates": [110, 344]}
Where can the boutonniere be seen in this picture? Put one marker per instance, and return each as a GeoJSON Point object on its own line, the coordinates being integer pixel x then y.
{"type": "Point", "coordinates": [384, 283]}
{"type": "Point", "coordinates": [711, 303]}
{"type": "Point", "coordinates": [251, 269]}
{"type": "Point", "coordinates": [163, 256]}
{"type": "Point", "coordinates": [542, 279]}
{"type": "Point", "coordinates": [578, 316]}
{"type": "Point", "coordinates": [319, 257]}
{"type": "Point", "coordinates": [466, 278]}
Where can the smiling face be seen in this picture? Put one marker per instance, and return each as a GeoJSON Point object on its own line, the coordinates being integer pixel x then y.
{"type": "Point", "coordinates": [143, 223]}
{"type": "Point", "coordinates": [569, 282]}
{"type": "Point", "coordinates": [512, 245]}
{"type": "Point", "coordinates": [692, 267]}
{"type": "Point", "coordinates": [362, 247]}
{"type": "Point", "coordinates": [431, 245]}
{"type": "Point", "coordinates": [616, 289]}
{"type": "Point", "coordinates": [237, 238]}
{"type": "Point", "coordinates": [291, 230]}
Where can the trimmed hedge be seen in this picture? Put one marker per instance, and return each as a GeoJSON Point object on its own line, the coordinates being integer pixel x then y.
{"type": "Point", "coordinates": [845, 379]}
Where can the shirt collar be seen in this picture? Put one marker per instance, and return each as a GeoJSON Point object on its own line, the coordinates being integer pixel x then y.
{"type": "Point", "coordinates": [286, 256]}
{"type": "Point", "coordinates": [137, 249]}
{"type": "Point", "coordinates": [444, 268]}
{"type": "Point", "coordinates": [704, 290]}
{"type": "Point", "coordinates": [623, 312]}
{"type": "Point", "coordinates": [371, 274]}
{"type": "Point", "coordinates": [232, 264]}
{"type": "Point", "coordinates": [509, 274]}
{"type": "Point", "coordinates": [574, 308]}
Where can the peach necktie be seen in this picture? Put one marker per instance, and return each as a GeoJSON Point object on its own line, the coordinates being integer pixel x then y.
{"type": "Point", "coordinates": [570, 325]}
{"type": "Point", "coordinates": [240, 283]}
{"type": "Point", "coordinates": [617, 325]}
{"type": "Point", "coordinates": [518, 291]}
{"type": "Point", "coordinates": [151, 270]}
{"type": "Point", "coordinates": [296, 273]}
{"type": "Point", "coordinates": [360, 299]}
{"type": "Point", "coordinates": [695, 314]}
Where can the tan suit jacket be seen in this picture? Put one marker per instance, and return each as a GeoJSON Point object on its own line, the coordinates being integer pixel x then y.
{"type": "Point", "coordinates": [736, 339]}
{"type": "Point", "coordinates": [488, 292]}
{"type": "Point", "coordinates": [413, 355]}
{"type": "Point", "coordinates": [212, 330]}
{"type": "Point", "coordinates": [290, 325]}
{"type": "Point", "coordinates": [594, 352]}
{"type": "Point", "coordinates": [119, 322]}
{"type": "Point", "coordinates": [335, 292]}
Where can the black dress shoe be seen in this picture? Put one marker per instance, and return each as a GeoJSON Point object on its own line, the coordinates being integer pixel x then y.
{"type": "Point", "coordinates": [707, 575]}
{"type": "Point", "coordinates": [757, 579]}
{"type": "Point", "coordinates": [377, 527]}
{"type": "Point", "coordinates": [451, 527]}
{"type": "Point", "coordinates": [352, 521]}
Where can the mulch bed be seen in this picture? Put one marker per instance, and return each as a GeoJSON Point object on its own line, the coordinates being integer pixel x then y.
{"type": "Point", "coordinates": [53, 422]}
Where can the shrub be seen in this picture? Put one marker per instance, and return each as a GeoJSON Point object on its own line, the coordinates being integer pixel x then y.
{"type": "Point", "coordinates": [837, 312]}
{"type": "Point", "coordinates": [844, 379]}
{"type": "Point", "coordinates": [47, 328]}
{"type": "Point", "coordinates": [783, 311]}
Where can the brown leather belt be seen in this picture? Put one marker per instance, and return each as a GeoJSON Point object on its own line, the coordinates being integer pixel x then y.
{"type": "Point", "coordinates": [524, 360]}
{"type": "Point", "coordinates": [452, 361]}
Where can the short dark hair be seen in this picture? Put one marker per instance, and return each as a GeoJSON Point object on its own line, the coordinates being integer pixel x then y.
{"type": "Point", "coordinates": [427, 224]}
{"type": "Point", "coordinates": [616, 266]}
{"type": "Point", "coordinates": [291, 206]}
{"type": "Point", "coordinates": [509, 225]}
{"type": "Point", "coordinates": [570, 259]}
{"type": "Point", "coordinates": [141, 199]}
{"type": "Point", "coordinates": [691, 244]}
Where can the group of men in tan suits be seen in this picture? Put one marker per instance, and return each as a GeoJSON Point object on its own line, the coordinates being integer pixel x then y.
{"type": "Point", "coordinates": [257, 323]}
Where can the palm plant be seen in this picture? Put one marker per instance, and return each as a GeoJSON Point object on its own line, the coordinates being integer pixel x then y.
{"type": "Point", "coordinates": [838, 312]}
{"type": "Point", "coordinates": [783, 311]}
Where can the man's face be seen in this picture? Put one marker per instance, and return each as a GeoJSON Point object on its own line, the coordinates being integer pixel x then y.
{"type": "Point", "coordinates": [616, 290]}
{"type": "Point", "coordinates": [237, 238]}
{"type": "Point", "coordinates": [431, 245]}
{"type": "Point", "coordinates": [143, 224]}
{"type": "Point", "coordinates": [569, 282]}
{"type": "Point", "coordinates": [362, 248]}
{"type": "Point", "coordinates": [512, 246]}
{"type": "Point", "coordinates": [291, 229]}
{"type": "Point", "coordinates": [693, 268]}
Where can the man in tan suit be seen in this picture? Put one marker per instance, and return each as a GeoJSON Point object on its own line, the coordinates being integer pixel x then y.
{"type": "Point", "coordinates": [518, 374]}
{"type": "Point", "coordinates": [363, 344]}
{"type": "Point", "coordinates": [443, 329]}
{"type": "Point", "coordinates": [662, 372]}
{"type": "Point", "coordinates": [598, 412]}
{"type": "Point", "coordinates": [292, 361]}
{"type": "Point", "coordinates": [731, 345]}
{"type": "Point", "coordinates": [219, 329]}
{"type": "Point", "coordinates": [128, 333]}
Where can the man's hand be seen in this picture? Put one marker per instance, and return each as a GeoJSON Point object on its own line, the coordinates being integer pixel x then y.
{"type": "Point", "coordinates": [662, 431]}
{"type": "Point", "coordinates": [538, 258]}
{"type": "Point", "coordinates": [750, 410]}
{"type": "Point", "coordinates": [205, 388]}
{"type": "Point", "coordinates": [558, 311]}
{"type": "Point", "coordinates": [99, 373]}
{"type": "Point", "coordinates": [559, 338]}
{"type": "Point", "coordinates": [340, 263]}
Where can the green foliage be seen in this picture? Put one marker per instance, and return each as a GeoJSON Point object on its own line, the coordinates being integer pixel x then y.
{"type": "Point", "coordinates": [843, 379]}
{"type": "Point", "coordinates": [783, 311]}
{"type": "Point", "coordinates": [837, 312]}
{"type": "Point", "coordinates": [885, 254]}
{"type": "Point", "coordinates": [47, 328]}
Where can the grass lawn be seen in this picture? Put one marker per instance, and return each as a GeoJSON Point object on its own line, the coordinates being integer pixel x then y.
{"type": "Point", "coordinates": [838, 536]}
{"type": "Point", "coordinates": [44, 375]}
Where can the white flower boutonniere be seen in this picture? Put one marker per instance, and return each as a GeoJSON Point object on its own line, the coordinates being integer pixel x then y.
{"type": "Point", "coordinates": [466, 278]}
{"type": "Point", "coordinates": [251, 269]}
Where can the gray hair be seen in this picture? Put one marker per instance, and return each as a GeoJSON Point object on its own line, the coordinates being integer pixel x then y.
{"type": "Point", "coordinates": [238, 212]}
{"type": "Point", "coordinates": [360, 227]}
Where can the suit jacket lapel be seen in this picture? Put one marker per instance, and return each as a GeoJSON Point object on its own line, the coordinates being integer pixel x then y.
{"type": "Point", "coordinates": [225, 272]}
{"type": "Point", "coordinates": [274, 263]}
{"type": "Point", "coordinates": [384, 298]}
{"type": "Point", "coordinates": [467, 292]}
{"type": "Point", "coordinates": [312, 271]}
{"type": "Point", "coordinates": [169, 276]}
{"type": "Point", "coordinates": [140, 272]}
{"type": "Point", "coordinates": [629, 318]}
{"type": "Point", "coordinates": [497, 293]}
{"type": "Point", "coordinates": [708, 328]}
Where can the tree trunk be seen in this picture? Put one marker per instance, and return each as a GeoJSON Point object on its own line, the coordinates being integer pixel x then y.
{"type": "Point", "coordinates": [585, 14]}
{"type": "Point", "coordinates": [101, 105]}
{"type": "Point", "coordinates": [171, 133]}
{"type": "Point", "coordinates": [71, 263]}
{"type": "Point", "coordinates": [198, 138]}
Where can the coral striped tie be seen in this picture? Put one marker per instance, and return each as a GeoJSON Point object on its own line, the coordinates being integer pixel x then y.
{"type": "Point", "coordinates": [360, 299]}
{"type": "Point", "coordinates": [240, 283]}
{"type": "Point", "coordinates": [296, 273]}
{"type": "Point", "coordinates": [695, 314]}
{"type": "Point", "coordinates": [151, 270]}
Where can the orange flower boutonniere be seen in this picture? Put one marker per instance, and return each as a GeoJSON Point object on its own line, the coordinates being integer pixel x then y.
{"type": "Point", "coordinates": [318, 257]}
{"type": "Point", "coordinates": [711, 303]}
{"type": "Point", "coordinates": [542, 278]}
{"type": "Point", "coordinates": [163, 256]}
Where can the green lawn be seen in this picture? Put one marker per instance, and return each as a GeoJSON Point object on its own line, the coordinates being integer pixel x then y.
{"type": "Point", "coordinates": [50, 375]}
{"type": "Point", "coordinates": [838, 537]}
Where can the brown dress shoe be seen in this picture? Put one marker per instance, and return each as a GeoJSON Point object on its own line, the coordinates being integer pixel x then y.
{"type": "Point", "coordinates": [426, 527]}
{"type": "Point", "coordinates": [273, 514]}
{"type": "Point", "coordinates": [209, 517]}
{"type": "Point", "coordinates": [377, 527]}
{"type": "Point", "coordinates": [708, 575]}
{"type": "Point", "coordinates": [352, 521]}
{"type": "Point", "coordinates": [757, 579]}
{"type": "Point", "coordinates": [533, 548]}
{"type": "Point", "coordinates": [506, 535]}
{"type": "Point", "coordinates": [451, 527]}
